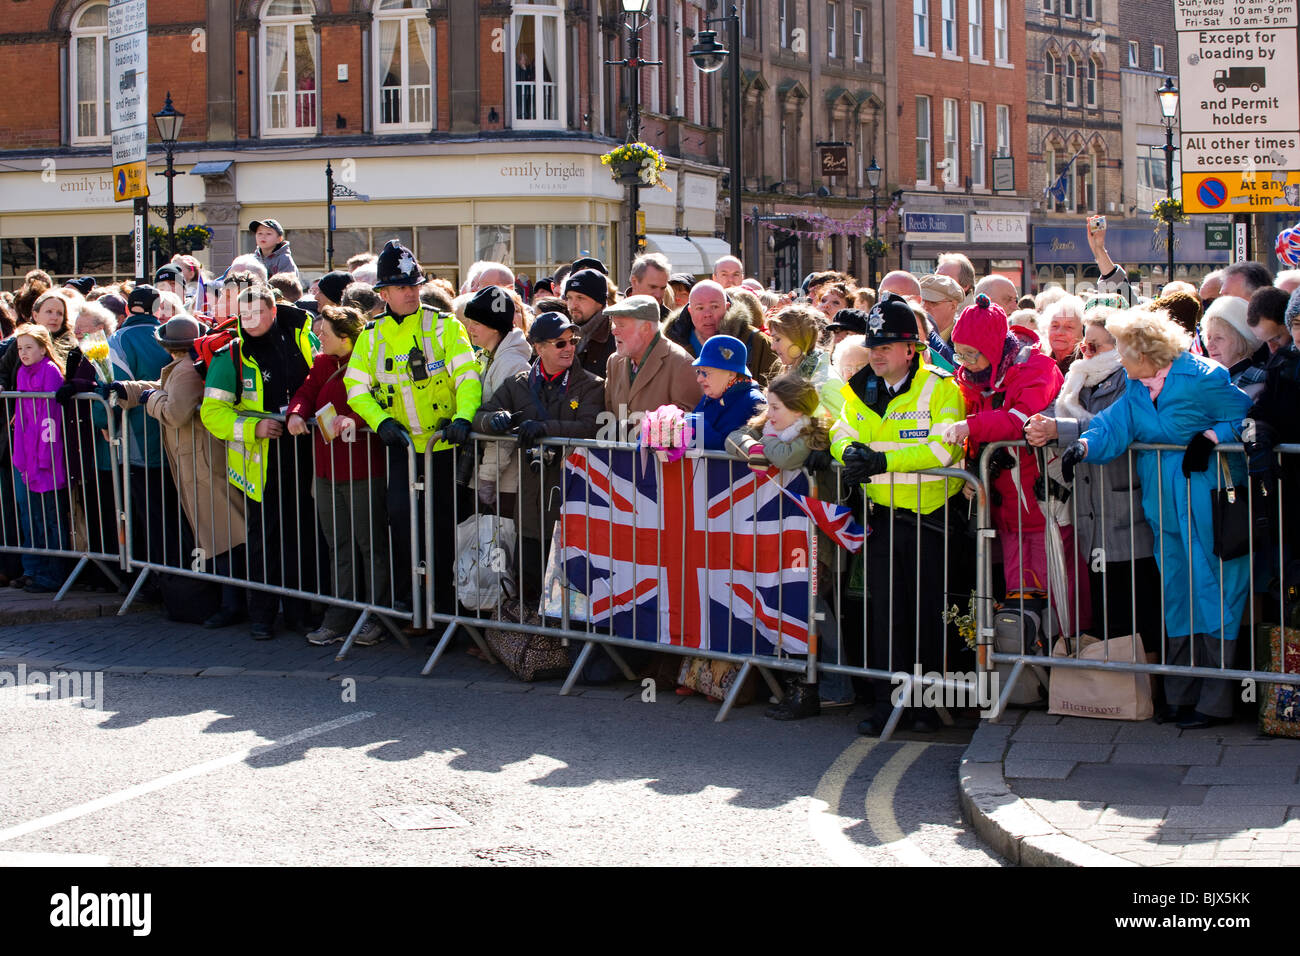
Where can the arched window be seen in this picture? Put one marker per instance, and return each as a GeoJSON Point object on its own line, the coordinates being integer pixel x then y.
{"type": "Point", "coordinates": [88, 66]}
{"type": "Point", "coordinates": [538, 71]}
{"type": "Point", "coordinates": [1049, 77]}
{"type": "Point", "coordinates": [1090, 90]}
{"type": "Point", "coordinates": [289, 82]}
{"type": "Point", "coordinates": [1071, 81]}
{"type": "Point", "coordinates": [404, 65]}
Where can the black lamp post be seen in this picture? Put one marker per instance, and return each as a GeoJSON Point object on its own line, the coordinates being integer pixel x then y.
{"type": "Point", "coordinates": [334, 191]}
{"type": "Point", "coordinates": [873, 180]}
{"type": "Point", "coordinates": [1168, 95]}
{"type": "Point", "coordinates": [168, 120]}
{"type": "Point", "coordinates": [636, 14]}
{"type": "Point", "coordinates": [709, 55]}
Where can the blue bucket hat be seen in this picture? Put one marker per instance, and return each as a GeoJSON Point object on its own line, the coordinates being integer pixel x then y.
{"type": "Point", "coordinates": [724, 352]}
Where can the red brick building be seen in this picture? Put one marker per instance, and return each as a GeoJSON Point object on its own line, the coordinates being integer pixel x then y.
{"type": "Point", "coordinates": [475, 128]}
{"type": "Point", "coordinates": [957, 130]}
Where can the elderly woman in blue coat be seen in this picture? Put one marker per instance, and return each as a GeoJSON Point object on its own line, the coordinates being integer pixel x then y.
{"type": "Point", "coordinates": [731, 397]}
{"type": "Point", "coordinates": [1177, 398]}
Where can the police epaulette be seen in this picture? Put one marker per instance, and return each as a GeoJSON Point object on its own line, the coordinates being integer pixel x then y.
{"type": "Point", "coordinates": [371, 324]}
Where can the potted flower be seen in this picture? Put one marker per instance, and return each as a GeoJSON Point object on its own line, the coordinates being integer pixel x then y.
{"type": "Point", "coordinates": [875, 247]}
{"type": "Point", "coordinates": [1168, 211]}
{"type": "Point", "coordinates": [635, 164]}
{"type": "Point", "coordinates": [188, 239]}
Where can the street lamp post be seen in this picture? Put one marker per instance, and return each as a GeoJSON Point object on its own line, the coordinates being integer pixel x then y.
{"type": "Point", "coordinates": [709, 56]}
{"type": "Point", "coordinates": [334, 191]}
{"type": "Point", "coordinates": [1168, 95]}
{"type": "Point", "coordinates": [169, 120]}
{"type": "Point", "coordinates": [636, 14]}
{"type": "Point", "coordinates": [873, 180]}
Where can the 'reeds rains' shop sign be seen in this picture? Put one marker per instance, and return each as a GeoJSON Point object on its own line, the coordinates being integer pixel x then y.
{"type": "Point", "coordinates": [1239, 108]}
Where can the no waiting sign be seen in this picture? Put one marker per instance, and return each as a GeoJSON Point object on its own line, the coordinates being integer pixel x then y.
{"type": "Point", "coordinates": [128, 51]}
{"type": "Point", "coordinates": [1239, 108]}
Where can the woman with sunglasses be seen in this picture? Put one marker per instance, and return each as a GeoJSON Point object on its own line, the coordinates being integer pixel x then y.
{"type": "Point", "coordinates": [1107, 498]}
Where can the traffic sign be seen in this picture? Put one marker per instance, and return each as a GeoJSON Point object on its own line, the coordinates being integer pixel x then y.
{"type": "Point", "coordinates": [128, 51]}
{"type": "Point", "coordinates": [1218, 235]}
{"type": "Point", "coordinates": [1241, 192]}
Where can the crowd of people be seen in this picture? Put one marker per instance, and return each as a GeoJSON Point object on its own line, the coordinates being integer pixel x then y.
{"type": "Point", "coordinates": [269, 428]}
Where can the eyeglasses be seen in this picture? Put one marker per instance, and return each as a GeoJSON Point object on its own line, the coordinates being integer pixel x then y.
{"type": "Point", "coordinates": [1088, 348]}
{"type": "Point", "coordinates": [567, 342]}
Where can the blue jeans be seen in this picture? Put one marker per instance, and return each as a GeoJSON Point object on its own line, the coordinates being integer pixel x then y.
{"type": "Point", "coordinates": [44, 518]}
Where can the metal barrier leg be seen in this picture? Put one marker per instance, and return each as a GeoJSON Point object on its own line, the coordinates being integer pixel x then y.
{"type": "Point", "coordinates": [577, 667]}
{"type": "Point", "coordinates": [773, 684]}
{"type": "Point", "coordinates": [1000, 707]}
{"type": "Point", "coordinates": [628, 673]}
{"type": "Point", "coordinates": [135, 589]}
{"type": "Point", "coordinates": [896, 715]}
{"type": "Point", "coordinates": [394, 630]}
{"type": "Point", "coordinates": [352, 635]}
{"type": "Point", "coordinates": [445, 640]}
{"type": "Point", "coordinates": [733, 693]}
{"type": "Point", "coordinates": [108, 572]}
{"type": "Point", "coordinates": [477, 637]}
{"type": "Point", "coordinates": [67, 585]}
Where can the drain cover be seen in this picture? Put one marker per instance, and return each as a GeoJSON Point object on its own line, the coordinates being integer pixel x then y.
{"type": "Point", "coordinates": [429, 816]}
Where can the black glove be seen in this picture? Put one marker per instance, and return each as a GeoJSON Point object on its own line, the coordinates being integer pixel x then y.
{"type": "Point", "coordinates": [530, 432]}
{"type": "Point", "coordinates": [499, 423]}
{"type": "Point", "coordinates": [392, 434]}
{"type": "Point", "coordinates": [1075, 453]}
{"type": "Point", "coordinates": [1197, 457]}
{"type": "Point", "coordinates": [72, 363]}
{"type": "Point", "coordinates": [862, 463]}
{"type": "Point", "coordinates": [1263, 462]}
{"type": "Point", "coordinates": [819, 459]}
{"type": "Point", "coordinates": [112, 388]}
{"type": "Point", "coordinates": [457, 431]}
{"type": "Point", "coordinates": [64, 393]}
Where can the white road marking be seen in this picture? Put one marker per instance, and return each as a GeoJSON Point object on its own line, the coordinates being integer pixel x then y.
{"type": "Point", "coordinates": [823, 820]}
{"type": "Point", "coordinates": [880, 807]}
{"type": "Point", "coordinates": [139, 790]}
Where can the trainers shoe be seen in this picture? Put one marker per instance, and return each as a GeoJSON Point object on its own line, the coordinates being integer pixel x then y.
{"type": "Point", "coordinates": [324, 635]}
{"type": "Point", "coordinates": [370, 635]}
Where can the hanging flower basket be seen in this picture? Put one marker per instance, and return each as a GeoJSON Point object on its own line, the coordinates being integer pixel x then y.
{"type": "Point", "coordinates": [875, 247]}
{"type": "Point", "coordinates": [188, 239]}
{"type": "Point", "coordinates": [635, 164]}
{"type": "Point", "coordinates": [1167, 212]}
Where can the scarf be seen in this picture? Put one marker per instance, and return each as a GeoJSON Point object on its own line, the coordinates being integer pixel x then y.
{"type": "Point", "coordinates": [1084, 373]}
{"type": "Point", "coordinates": [789, 434]}
{"type": "Point", "coordinates": [993, 374]}
{"type": "Point", "coordinates": [1156, 383]}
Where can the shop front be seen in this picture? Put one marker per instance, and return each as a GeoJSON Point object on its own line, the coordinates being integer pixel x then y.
{"type": "Point", "coordinates": [993, 232]}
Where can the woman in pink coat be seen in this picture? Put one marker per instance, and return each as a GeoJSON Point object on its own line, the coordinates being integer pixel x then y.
{"type": "Point", "coordinates": [1006, 379]}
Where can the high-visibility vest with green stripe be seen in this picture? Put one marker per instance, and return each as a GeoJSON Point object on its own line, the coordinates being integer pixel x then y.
{"type": "Point", "coordinates": [907, 436]}
{"type": "Point", "coordinates": [381, 383]}
{"type": "Point", "coordinates": [221, 413]}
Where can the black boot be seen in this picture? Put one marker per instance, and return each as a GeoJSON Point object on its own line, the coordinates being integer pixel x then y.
{"type": "Point", "coordinates": [800, 701]}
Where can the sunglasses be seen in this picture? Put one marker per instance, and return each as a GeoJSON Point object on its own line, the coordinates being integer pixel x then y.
{"type": "Point", "coordinates": [569, 341]}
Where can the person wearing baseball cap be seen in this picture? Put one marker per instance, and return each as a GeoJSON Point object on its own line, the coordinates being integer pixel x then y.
{"type": "Point", "coordinates": [169, 278]}
{"type": "Point", "coordinates": [272, 248]}
{"type": "Point", "coordinates": [554, 398]}
{"type": "Point", "coordinates": [414, 379]}
{"type": "Point", "coordinates": [847, 322]}
{"type": "Point", "coordinates": [942, 298]}
{"type": "Point", "coordinates": [884, 436]}
{"type": "Point", "coordinates": [586, 293]}
{"type": "Point", "coordinates": [731, 396]}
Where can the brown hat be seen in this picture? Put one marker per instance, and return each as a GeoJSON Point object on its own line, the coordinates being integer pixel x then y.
{"type": "Point", "coordinates": [937, 288]}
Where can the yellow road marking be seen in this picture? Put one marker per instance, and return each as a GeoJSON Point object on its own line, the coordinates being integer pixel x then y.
{"type": "Point", "coordinates": [880, 807]}
{"type": "Point", "coordinates": [823, 820]}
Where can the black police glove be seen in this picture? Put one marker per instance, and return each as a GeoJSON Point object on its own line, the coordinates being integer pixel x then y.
{"type": "Point", "coordinates": [1260, 438]}
{"type": "Point", "coordinates": [530, 432]}
{"type": "Point", "coordinates": [499, 423]}
{"type": "Point", "coordinates": [819, 459]}
{"type": "Point", "coordinates": [392, 434]}
{"type": "Point", "coordinates": [1073, 454]}
{"type": "Point", "coordinates": [63, 394]}
{"type": "Point", "coordinates": [1197, 457]}
{"type": "Point", "coordinates": [457, 431]}
{"type": "Point", "coordinates": [862, 463]}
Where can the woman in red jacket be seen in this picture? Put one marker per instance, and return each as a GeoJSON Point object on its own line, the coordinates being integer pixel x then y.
{"type": "Point", "coordinates": [350, 480]}
{"type": "Point", "coordinates": [1006, 379]}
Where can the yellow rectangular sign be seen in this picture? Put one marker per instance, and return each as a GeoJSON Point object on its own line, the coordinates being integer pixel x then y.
{"type": "Point", "coordinates": [130, 181]}
{"type": "Point", "coordinates": [1228, 192]}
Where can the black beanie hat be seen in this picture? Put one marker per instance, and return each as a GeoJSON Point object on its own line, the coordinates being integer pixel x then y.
{"type": "Point", "coordinates": [590, 283]}
{"type": "Point", "coordinates": [491, 306]}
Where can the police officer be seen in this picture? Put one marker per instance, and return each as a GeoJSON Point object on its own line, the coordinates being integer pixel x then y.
{"type": "Point", "coordinates": [414, 372]}
{"type": "Point", "coordinates": [884, 436]}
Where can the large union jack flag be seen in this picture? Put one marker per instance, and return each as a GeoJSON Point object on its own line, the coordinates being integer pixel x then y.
{"type": "Point", "coordinates": [698, 553]}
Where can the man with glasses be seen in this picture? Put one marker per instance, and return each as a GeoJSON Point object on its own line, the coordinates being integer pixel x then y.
{"type": "Point", "coordinates": [555, 398]}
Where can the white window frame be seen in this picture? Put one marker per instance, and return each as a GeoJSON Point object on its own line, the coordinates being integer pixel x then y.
{"type": "Point", "coordinates": [952, 141]}
{"type": "Point", "coordinates": [405, 91]}
{"type": "Point", "coordinates": [678, 59]}
{"type": "Point", "coordinates": [1134, 54]}
{"type": "Point", "coordinates": [924, 143]}
{"type": "Point", "coordinates": [1001, 40]}
{"type": "Point", "coordinates": [1092, 81]}
{"type": "Point", "coordinates": [1089, 10]}
{"type": "Point", "coordinates": [1049, 77]}
{"type": "Point", "coordinates": [859, 35]}
{"type": "Point", "coordinates": [948, 27]}
{"type": "Point", "coordinates": [651, 34]}
{"type": "Point", "coordinates": [783, 22]}
{"type": "Point", "coordinates": [832, 29]}
{"type": "Point", "coordinates": [1049, 6]}
{"type": "Point", "coordinates": [978, 160]}
{"type": "Point", "coordinates": [540, 11]}
{"type": "Point", "coordinates": [291, 24]}
{"type": "Point", "coordinates": [975, 41]}
{"type": "Point", "coordinates": [1003, 117]}
{"type": "Point", "coordinates": [696, 80]}
{"type": "Point", "coordinates": [921, 24]}
{"type": "Point", "coordinates": [1071, 81]}
{"type": "Point", "coordinates": [1157, 58]}
{"type": "Point", "coordinates": [99, 106]}
{"type": "Point", "coordinates": [1067, 8]}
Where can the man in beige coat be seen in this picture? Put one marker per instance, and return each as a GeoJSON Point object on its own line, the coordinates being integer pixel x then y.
{"type": "Point", "coordinates": [647, 369]}
{"type": "Point", "coordinates": [214, 508]}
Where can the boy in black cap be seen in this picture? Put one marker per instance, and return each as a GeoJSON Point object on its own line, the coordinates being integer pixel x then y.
{"type": "Point", "coordinates": [272, 248]}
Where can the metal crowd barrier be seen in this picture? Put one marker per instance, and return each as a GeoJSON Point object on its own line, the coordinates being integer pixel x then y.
{"type": "Point", "coordinates": [77, 520]}
{"type": "Point", "coordinates": [1267, 560]}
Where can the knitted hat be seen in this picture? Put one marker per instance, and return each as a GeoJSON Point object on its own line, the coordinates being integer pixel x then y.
{"type": "Point", "coordinates": [332, 284]}
{"type": "Point", "coordinates": [1232, 310]}
{"type": "Point", "coordinates": [143, 296]}
{"type": "Point", "coordinates": [982, 326]}
{"type": "Point", "coordinates": [491, 306]}
{"type": "Point", "coordinates": [588, 262]}
{"type": "Point", "coordinates": [590, 283]}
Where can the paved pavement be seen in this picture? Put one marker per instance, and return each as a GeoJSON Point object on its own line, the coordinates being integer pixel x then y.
{"type": "Point", "coordinates": [1072, 791]}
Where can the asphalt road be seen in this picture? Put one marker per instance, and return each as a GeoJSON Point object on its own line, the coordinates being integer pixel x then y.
{"type": "Point", "coordinates": [283, 771]}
